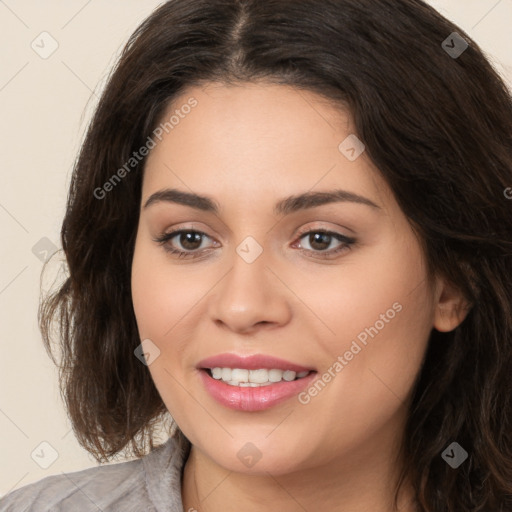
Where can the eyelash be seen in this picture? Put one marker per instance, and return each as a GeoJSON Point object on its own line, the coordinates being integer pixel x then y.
{"type": "Point", "coordinates": [166, 237]}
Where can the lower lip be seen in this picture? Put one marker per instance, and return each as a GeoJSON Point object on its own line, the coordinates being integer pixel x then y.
{"type": "Point", "coordinates": [253, 399]}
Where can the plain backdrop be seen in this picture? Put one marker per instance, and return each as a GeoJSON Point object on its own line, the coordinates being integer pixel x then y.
{"type": "Point", "coordinates": [46, 102]}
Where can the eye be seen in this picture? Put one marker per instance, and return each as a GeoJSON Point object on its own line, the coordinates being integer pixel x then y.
{"type": "Point", "coordinates": [190, 240]}
{"type": "Point", "coordinates": [319, 240]}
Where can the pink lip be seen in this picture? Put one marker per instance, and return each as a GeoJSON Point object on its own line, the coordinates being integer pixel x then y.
{"type": "Point", "coordinates": [253, 399]}
{"type": "Point", "coordinates": [253, 362]}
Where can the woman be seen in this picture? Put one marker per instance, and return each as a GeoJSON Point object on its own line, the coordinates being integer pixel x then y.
{"type": "Point", "coordinates": [288, 230]}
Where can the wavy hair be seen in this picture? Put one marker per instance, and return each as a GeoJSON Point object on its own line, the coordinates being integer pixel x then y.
{"type": "Point", "coordinates": [439, 129]}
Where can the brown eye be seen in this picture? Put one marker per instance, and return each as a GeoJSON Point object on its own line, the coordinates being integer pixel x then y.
{"type": "Point", "coordinates": [188, 242]}
{"type": "Point", "coordinates": [320, 240]}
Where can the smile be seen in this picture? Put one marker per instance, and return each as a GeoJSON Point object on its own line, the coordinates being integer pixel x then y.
{"type": "Point", "coordinates": [254, 378]}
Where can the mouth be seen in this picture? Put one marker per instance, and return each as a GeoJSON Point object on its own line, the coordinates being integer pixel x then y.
{"type": "Point", "coordinates": [239, 393]}
{"type": "Point", "coordinates": [253, 383]}
{"type": "Point", "coordinates": [244, 377]}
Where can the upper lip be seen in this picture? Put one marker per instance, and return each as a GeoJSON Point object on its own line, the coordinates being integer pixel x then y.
{"type": "Point", "coordinates": [251, 362]}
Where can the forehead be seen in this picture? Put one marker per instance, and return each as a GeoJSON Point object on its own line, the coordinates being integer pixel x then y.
{"type": "Point", "coordinates": [256, 139]}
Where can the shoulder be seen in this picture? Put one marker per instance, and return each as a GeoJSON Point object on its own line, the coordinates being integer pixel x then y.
{"type": "Point", "coordinates": [89, 489]}
{"type": "Point", "coordinates": [119, 486]}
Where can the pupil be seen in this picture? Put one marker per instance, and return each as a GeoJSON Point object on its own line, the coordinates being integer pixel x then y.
{"type": "Point", "coordinates": [319, 236]}
{"type": "Point", "coordinates": [188, 238]}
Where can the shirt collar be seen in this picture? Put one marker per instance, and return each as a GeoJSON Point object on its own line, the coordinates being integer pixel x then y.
{"type": "Point", "coordinates": [164, 470]}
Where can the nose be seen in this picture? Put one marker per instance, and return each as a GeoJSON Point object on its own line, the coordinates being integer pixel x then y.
{"type": "Point", "coordinates": [250, 297]}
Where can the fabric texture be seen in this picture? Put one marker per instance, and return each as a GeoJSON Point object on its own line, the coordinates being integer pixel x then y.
{"type": "Point", "coordinates": [149, 484]}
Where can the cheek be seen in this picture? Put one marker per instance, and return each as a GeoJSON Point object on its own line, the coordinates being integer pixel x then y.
{"type": "Point", "coordinates": [158, 308]}
{"type": "Point", "coordinates": [379, 321]}
{"type": "Point", "coordinates": [378, 280]}
{"type": "Point", "coordinates": [150, 302]}
{"type": "Point", "coordinates": [160, 294]}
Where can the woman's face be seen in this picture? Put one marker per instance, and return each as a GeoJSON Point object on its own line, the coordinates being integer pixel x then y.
{"type": "Point", "coordinates": [352, 306]}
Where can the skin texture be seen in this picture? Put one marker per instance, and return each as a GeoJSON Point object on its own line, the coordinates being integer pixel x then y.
{"type": "Point", "coordinates": [248, 147]}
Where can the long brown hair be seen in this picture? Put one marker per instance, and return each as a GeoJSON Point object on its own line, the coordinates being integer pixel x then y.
{"type": "Point", "coordinates": [437, 125]}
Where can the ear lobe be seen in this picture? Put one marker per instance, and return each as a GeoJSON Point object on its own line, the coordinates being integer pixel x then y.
{"type": "Point", "coordinates": [451, 308]}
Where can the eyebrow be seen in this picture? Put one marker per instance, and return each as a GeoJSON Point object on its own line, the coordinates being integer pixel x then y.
{"type": "Point", "coordinates": [285, 206]}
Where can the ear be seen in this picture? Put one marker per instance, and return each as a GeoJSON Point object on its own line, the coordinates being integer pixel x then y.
{"type": "Point", "coordinates": [451, 308]}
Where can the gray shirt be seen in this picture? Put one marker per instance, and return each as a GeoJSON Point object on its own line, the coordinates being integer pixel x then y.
{"type": "Point", "coordinates": [151, 483]}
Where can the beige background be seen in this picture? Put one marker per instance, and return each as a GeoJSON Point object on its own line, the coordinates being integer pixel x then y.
{"type": "Point", "coordinates": [45, 105]}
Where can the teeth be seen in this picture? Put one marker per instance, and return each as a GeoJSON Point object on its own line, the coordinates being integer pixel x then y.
{"type": "Point", "coordinates": [238, 375]}
{"type": "Point", "coordinates": [275, 375]}
{"type": "Point", "coordinates": [254, 378]}
{"type": "Point", "coordinates": [247, 384]}
{"type": "Point", "coordinates": [258, 376]}
{"type": "Point", "coordinates": [216, 373]}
